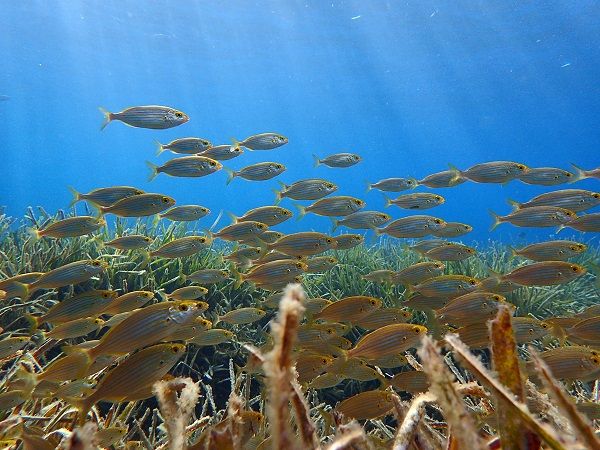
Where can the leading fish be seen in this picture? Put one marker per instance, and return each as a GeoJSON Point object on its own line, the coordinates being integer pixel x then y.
{"type": "Point", "coordinates": [152, 116]}
{"type": "Point", "coordinates": [444, 179]}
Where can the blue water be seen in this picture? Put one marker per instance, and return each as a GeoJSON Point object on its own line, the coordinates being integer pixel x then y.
{"type": "Point", "coordinates": [409, 85]}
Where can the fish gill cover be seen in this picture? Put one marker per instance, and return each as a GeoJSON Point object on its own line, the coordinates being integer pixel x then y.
{"type": "Point", "coordinates": [257, 292]}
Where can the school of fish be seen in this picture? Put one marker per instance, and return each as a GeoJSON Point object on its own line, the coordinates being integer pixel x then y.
{"type": "Point", "coordinates": [115, 344]}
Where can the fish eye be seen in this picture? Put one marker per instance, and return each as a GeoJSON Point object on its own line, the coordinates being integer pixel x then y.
{"type": "Point", "coordinates": [409, 182]}
{"type": "Point", "coordinates": [497, 298]}
{"type": "Point", "coordinates": [183, 307]}
{"type": "Point", "coordinates": [105, 295]}
{"type": "Point", "coordinates": [575, 268]}
{"type": "Point", "coordinates": [329, 240]}
{"type": "Point", "coordinates": [178, 114]}
{"type": "Point", "coordinates": [324, 361]}
{"type": "Point", "coordinates": [544, 325]}
{"type": "Point", "coordinates": [520, 167]}
{"type": "Point", "coordinates": [165, 199]}
{"type": "Point", "coordinates": [373, 302]}
{"type": "Point", "coordinates": [147, 239]}
{"type": "Point", "coordinates": [472, 282]}
{"type": "Point", "coordinates": [417, 330]}
{"type": "Point", "coordinates": [175, 349]}
{"type": "Point", "coordinates": [96, 263]}
{"type": "Point", "coordinates": [438, 221]}
{"type": "Point", "coordinates": [596, 195]}
{"type": "Point", "coordinates": [212, 164]}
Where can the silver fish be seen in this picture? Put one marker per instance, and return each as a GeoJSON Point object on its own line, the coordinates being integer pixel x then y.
{"type": "Point", "coordinates": [257, 172]}
{"type": "Point", "coordinates": [332, 206]}
{"type": "Point", "coordinates": [547, 176]}
{"type": "Point", "coordinates": [186, 166]}
{"type": "Point", "coordinates": [575, 200]}
{"type": "Point", "coordinates": [154, 117]}
{"type": "Point", "coordinates": [263, 141]}
{"type": "Point", "coordinates": [222, 152]}
{"type": "Point", "coordinates": [338, 160]}
{"type": "Point", "coordinates": [185, 213]}
{"type": "Point", "coordinates": [363, 220]}
{"type": "Point", "coordinates": [187, 146]}
{"type": "Point", "coordinates": [393, 184]}
{"type": "Point", "coordinates": [311, 189]}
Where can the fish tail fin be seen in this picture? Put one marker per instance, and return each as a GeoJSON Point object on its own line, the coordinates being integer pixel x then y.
{"type": "Point", "coordinates": [83, 405]}
{"type": "Point", "coordinates": [230, 175]}
{"type": "Point", "coordinates": [456, 171]}
{"type": "Point", "coordinates": [108, 117]}
{"type": "Point", "coordinates": [277, 196]}
{"type": "Point", "coordinates": [579, 173]}
{"type": "Point", "coordinates": [76, 196]}
{"type": "Point", "coordinates": [409, 290]}
{"type": "Point", "coordinates": [34, 234]}
{"type": "Point", "coordinates": [317, 160]}
{"type": "Point", "coordinates": [235, 144]}
{"type": "Point", "coordinates": [335, 223]}
{"type": "Point", "coordinates": [237, 276]}
{"type": "Point", "coordinates": [496, 220]}
{"type": "Point", "coordinates": [495, 275]}
{"type": "Point", "coordinates": [153, 170]}
{"type": "Point", "coordinates": [155, 219]}
{"type": "Point", "coordinates": [33, 321]}
{"type": "Point", "coordinates": [388, 201]}
{"type": "Point", "coordinates": [301, 210]}
{"type": "Point", "coordinates": [415, 182]}
{"type": "Point", "coordinates": [513, 252]}
{"type": "Point", "coordinates": [146, 257]}
{"type": "Point", "coordinates": [233, 217]}
{"type": "Point", "coordinates": [183, 277]}
{"type": "Point", "coordinates": [159, 147]}
{"type": "Point", "coordinates": [561, 227]}
{"type": "Point", "coordinates": [516, 205]}
{"type": "Point", "coordinates": [369, 185]}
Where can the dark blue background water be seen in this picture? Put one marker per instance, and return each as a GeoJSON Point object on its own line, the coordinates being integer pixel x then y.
{"type": "Point", "coordinates": [409, 85]}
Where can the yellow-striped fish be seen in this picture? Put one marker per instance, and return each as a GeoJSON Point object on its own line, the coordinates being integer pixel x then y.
{"type": "Point", "coordinates": [181, 247]}
{"type": "Point", "coordinates": [188, 146]}
{"type": "Point", "coordinates": [257, 172]}
{"type": "Point", "coordinates": [493, 172]}
{"type": "Point", "coordinates": [349, 309]}
{"type": "Point", "coordinates": [388, 340]}
{"type": "Point", "coordinates": [128, 302]}
{"type": "Point", "coordinates": [152, 116]}
{"type": "Point", "coordinates": [367, 405]}
{"type": "Point", "coordinates": [419, 200]}
{"type": "Point", "coordinates": [139, 205]}
{"type": "Point", "coordinates": [242, 316]}
{"type": "Point", "coordinates": [72, 273]}
{"type": "Point", "coordinates": [70, 227]}
{"type": "Point", "coordinates": [546, 273]}
{"type": "Point", "coordinates": [105, 196]}
{"type": "Point", "coordinates": [551, 250]}
{"type": "Point", "coordinates": [139, 370]}
{"type": "Point", "coordinates": [305, 243]}
{"type": "Point", "coordinates": [131, 242]}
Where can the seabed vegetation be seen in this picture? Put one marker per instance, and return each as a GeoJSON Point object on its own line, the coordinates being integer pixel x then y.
{"type": "Point", "coordinates": [248, 393]}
